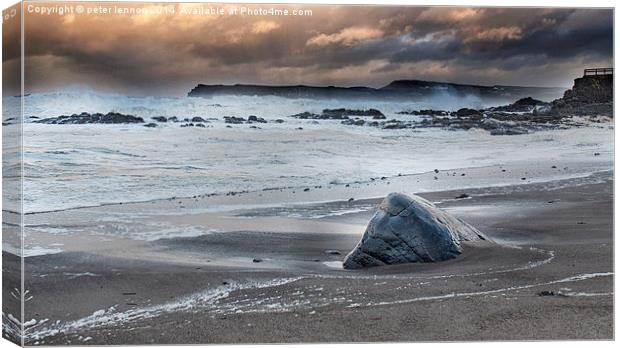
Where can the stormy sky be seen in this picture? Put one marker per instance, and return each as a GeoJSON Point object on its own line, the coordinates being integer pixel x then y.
{"type": "Point", "coordinates": [151, 54]}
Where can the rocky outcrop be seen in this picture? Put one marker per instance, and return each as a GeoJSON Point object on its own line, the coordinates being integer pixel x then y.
{"type": "Point", "coordinates": [160, 119]}
{"type": "Point", "coordinates": [240, 120]}
{"type": "Point", "coordinates": [591, 90]}
{"type": "Point", "coordinates": [410, 229]}
{"type": "Point", "coordinates": [466, 112]}
{"type": "Point", "coordinates": [425, 112]}
{"type": "Point", "coordinates": [253, 118]}
{"type": "Point", "coordinates": [590, 96]}
{"type": "Point", "coordinates": [340, 114]}
{"type": "Point", "coordinates": [234, 120]}
{"type": "Point", "coordinates": [528, 104]}
{"type": "Point", "coordinates": [354, 122]}
{"type": "Point", "coordinates": [84, 118]}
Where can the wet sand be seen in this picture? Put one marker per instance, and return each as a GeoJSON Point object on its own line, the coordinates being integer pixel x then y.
{"type": "Point", "coordinates": [263, 274]}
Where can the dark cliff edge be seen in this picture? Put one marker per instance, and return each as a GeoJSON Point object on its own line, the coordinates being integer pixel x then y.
{"type": "Point", "coordinates": [401, 89]}
{"type": "Point", "coordinates": [590, 96]}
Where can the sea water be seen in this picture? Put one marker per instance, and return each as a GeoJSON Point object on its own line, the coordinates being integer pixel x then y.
{"type": "Point", "coordinates": [69, 166]}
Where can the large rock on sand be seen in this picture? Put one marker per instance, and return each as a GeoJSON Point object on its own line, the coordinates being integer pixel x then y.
{"type": "Point", "coordinates": [410, 229]}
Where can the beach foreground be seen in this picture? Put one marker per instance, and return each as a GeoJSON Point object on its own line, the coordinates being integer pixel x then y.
{"type": "Point", "coordinates": [274, 274]}
{"type": "Point", "coordinates": [176, 179]}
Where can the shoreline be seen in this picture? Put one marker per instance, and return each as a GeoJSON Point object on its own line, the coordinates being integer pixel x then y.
{"type": "Point", "coordinates": [341, 191]}
{"type": "Point", "coordinates": [206, 280]}
{"type": "Point", "coordinates": [236, 161]}
{"type": "Point", "coordinates": [244, 209]}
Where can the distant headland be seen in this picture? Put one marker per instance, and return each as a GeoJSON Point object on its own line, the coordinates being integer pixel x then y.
{"type": "Point", "coordinates": [399, 89]}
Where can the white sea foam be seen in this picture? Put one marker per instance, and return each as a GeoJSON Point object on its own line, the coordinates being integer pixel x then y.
{"type": "Point", "coordinates": [333, 264]}
{"type": "Point", "coordinates": [340, 212]}
{"type": "Point", "coordinates": [88, 165]}
{"type": "Point", "coordinates": [549, 255]}
{"type": "Point", "coordinates": [71, 275]}
{"type": "Point", "coordinates": [206, 300]}
{"type": "Point", "coordinates": [586, 294]}
{"type": "Point", "coordinates": [121, 226]}
{"type": "Point", "coordinates": [576, 278]}
{"type": "Point", "coordinates": [212, 301]}
{"type": "Point", "coordinates": [29, 251]}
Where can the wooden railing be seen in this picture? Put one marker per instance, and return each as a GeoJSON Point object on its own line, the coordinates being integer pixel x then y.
{"type": "Point", "coordinates": [598, 71]}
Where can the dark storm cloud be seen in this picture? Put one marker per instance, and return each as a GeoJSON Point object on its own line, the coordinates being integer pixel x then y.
{"type": "Point", "coordinates": [429, 50]}
{"type": "Point", "coordinates": [562, 41]}
{"type": "Point", "coordinates": [363, 45]}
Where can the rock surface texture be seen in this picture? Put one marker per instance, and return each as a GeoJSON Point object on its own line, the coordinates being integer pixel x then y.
{"type": "Point", "coordinates": [590, 95]}
{"type": "Point", "coordinates": [410, 229]}
{"type": "Point", "coordinates": [83, 118]}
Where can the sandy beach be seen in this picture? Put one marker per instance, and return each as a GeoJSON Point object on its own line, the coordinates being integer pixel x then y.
{"type": "Point", "coordinates": [258, 273]}
{"type": "Point", "coordinates": [305, 173]}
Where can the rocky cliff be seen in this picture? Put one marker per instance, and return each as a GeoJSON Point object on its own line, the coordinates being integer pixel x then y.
{"type": "Point", "coordinates": [590, 96]}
